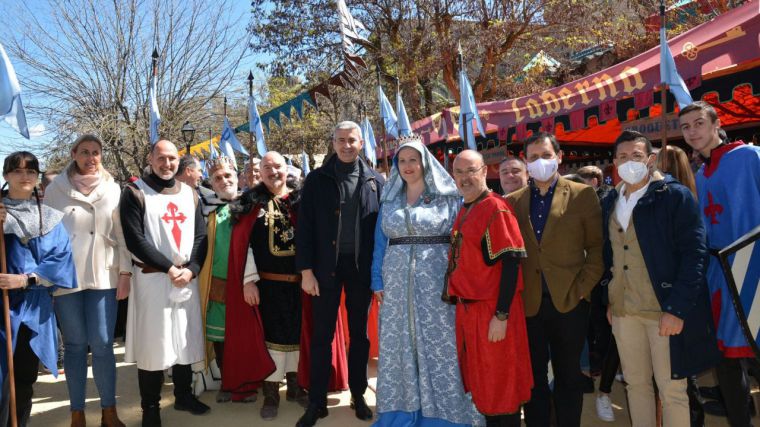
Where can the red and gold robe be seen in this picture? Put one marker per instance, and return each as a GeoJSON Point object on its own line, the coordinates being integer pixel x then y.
{"type": "Point", "coordinates": [498, 374]}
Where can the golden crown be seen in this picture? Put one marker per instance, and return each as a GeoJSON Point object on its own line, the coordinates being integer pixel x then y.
{"type": "Point", "coordinates": [412, 137]}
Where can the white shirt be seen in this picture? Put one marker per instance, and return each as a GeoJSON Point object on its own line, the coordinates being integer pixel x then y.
{"type": "Point", "coordinates": [624, 208]}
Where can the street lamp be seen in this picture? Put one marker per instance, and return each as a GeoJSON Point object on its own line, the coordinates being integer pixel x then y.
{"type": "Point", "coordinates": [188, 133]}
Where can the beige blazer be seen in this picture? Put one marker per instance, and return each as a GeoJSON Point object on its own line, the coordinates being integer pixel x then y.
{"type": "Point", "coordinates": [570, 252]}
{"type": "Point", "coordinates": [92, 224]}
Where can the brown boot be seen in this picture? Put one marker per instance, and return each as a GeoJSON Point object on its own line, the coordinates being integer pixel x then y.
{"type": "Point", "coordinates": [295, 393]}
{"type": "Point", "coordinates": [271, 400]}
{"type": "Point", "coordinates": [77, 419]}
{"type": "Point", "coordinates": [110, 419]}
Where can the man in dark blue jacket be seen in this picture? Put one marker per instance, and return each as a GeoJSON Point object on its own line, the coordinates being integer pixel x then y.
{"type": "Point", "coordinates": [659, 310]}
{"type": "Point", "coordinates": [334, 244]}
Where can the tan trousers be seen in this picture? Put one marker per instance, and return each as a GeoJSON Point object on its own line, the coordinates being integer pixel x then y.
{"type": "Point", "coordinates": [644, 352]}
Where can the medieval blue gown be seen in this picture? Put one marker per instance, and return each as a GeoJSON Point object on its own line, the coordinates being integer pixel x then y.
{"type": "Point", "coordinates": [419, 382]}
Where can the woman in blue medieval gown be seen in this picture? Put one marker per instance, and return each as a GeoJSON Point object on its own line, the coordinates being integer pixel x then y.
{"type": "Point", "coordinates": [39, 261]}
{"type": "Point", "coordinates": [419, 382]}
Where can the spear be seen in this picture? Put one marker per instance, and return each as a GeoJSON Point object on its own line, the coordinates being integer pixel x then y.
{"type": "Point", "coordinates": [8, 336]}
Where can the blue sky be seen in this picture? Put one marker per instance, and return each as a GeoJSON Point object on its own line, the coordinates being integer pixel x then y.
{"type": "Point", "coordinates": [11, 141]}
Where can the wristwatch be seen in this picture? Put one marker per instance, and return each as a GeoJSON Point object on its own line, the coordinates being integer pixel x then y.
{"type": "Point", "coordinates": [500, 315]}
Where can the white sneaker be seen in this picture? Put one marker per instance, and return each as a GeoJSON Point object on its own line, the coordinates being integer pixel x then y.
{"type": "Point", "coordinates": [604, 408]}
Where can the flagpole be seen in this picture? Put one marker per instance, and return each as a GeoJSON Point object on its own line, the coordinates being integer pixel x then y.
{"type": "Point", "coordinates": [210, 140]}
{"type": "Point", "coordinates": [8, 338]}
{"type": "Point", "coordinates": [225, 106]}
{"type": "Point", "coordinates": [250, 125]}
{"type": "Point", "coordinates": [382, 124]}
{"type": "Point", "coordinates": [462, 132]}
{"type": "Point", "coordinates": [663, 93]}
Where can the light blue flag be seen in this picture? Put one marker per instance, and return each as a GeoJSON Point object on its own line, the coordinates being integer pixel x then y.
{"type": "Point", "coordinates": [11, 107]}
{"type": "Point", "coordinates": [226, 148]}
{"type": "Point", "coordinates": [290, 161]}
{"type": "Point", "coordinates": [468, 111]}
{"type": "Point", "coordinates": [387, 114]}
{"type": "Point", "coordinates": [404, 127]}
{"type": "Point", "coordinates": [669, 74]}
{"type": "Point", "coordinates": [305, 163]}
{"type": "Point", "coordinates": [254, 125]}
{"type": "Point", "coordinates": [212, 150]}
{"type": "Point", "coordinates": [155, 116]}
{"type": "Point", "coordinates": [204, 172]}
{"type": "Point", "coordinates": [370, 146]}
{"type": "Point", "coordinates": [228, 136]}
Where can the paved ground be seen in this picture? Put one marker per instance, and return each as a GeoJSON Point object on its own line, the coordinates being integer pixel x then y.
{"type": "Point", "coordinates": [51, 406]}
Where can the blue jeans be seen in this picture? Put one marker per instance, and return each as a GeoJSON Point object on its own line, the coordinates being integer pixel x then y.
{"type": "Point", "coordinates": [88, 318]}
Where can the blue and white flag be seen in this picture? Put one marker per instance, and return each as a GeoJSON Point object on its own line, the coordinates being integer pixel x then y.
{"type": "Point", "coordinates": [387, 114]}
{"type": "Point", "coordinates": [226, 148]}
{"type": "Point", "coordinates": [11, 107]}
{"type": "Point", "coordinates": [254, 126]}
{"type": "Point", "coordinates": [228, 136]}
{"type": "Point", "coordinates": [204, 172]}
{"type": "Point", "coordinates": [305, 163]}
{"type": "Point", "coordinates": [669, 74]}
{"type": "Point", "coordinates": [468, 110]}
{"type": "Point", "coordinates": [212, 153]}
{"type": "Point", "coordinates": [370, 146]}
{"type": "Point", "coordinates": [740, 262]}
{"type": "Point", "coordinates": [155, 116]}
{"type": "Point", "coordinates": [404, 127]}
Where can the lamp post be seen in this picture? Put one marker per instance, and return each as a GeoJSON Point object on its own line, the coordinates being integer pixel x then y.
{"type": "Point", "coordinates": [188, 133]}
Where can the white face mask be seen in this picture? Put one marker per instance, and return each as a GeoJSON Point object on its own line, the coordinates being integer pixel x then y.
{"type": "Point", "coordinates": [633, 172]}
{"type": "Point", "coordinates": [542, 169]}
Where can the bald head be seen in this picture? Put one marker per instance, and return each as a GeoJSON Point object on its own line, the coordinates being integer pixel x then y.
{"type": "Point", "coordinates": [469, 156]}
{"type": "Point", "coordinates": [164, 159]}
{"type": "Point", "coordinates": [470, 174]}
{"type": "Point", "coordinates": [274, 172]}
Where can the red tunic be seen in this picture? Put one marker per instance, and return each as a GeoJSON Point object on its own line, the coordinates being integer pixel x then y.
{"type": "Point", "coordinates": [498, 374]}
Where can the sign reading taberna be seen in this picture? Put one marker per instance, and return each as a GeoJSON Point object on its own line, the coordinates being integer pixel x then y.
{"type": "Point", "coordinates": [739, 261]}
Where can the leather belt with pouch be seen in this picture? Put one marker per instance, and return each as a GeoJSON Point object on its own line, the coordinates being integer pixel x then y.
{"type": "Point", "coordinates": [218, 290]}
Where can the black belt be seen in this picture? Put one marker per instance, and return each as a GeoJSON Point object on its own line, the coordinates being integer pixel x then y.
{"type": "Point", "coordinates": [419, 240]}
{"type": "Point", "coordinates": [457, 300]}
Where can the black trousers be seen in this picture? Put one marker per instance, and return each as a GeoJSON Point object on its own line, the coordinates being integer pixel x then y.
{"type": "Point", "coordinates": [609, 367]}
{"type": "Point", "coordinates": [511, 420]}
{"type": "Point", "coordinates": [25, 366]}
{"type": "Point", "coordinates": [150, 383]}
{"type": "Point", "coordinates": [324, 315]}
{"type": "Point", "coordinates": [599, 331]}
{"type": "Point", "coordinates": [559, 337]}
{"type": "Point", "coordinates": [734, 386]}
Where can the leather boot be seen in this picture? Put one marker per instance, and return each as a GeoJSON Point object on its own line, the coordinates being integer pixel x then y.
{"type": "Point", "coordinates": [151, 416]}
{"type": "Point", "coordinates": [295, 393]}
{"type": "Point", "coordinates": [77, 419]}
{"type": "Point", "coordinates": [271, 392]}
{"type": "Point", "coordinates": [696, 412]}
{"type": "Point", "coordinates": [109, 418]}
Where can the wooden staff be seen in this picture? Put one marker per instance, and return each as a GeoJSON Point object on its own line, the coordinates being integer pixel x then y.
{"type": "Point", "coordinates": [8, 335]}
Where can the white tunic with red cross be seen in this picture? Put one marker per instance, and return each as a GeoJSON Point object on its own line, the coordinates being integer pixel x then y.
{"type": "Point", "coordinates": [160, 332]}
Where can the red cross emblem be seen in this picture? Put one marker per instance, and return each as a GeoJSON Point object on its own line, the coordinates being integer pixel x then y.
{"type": "Point", "coordinates": [713, 209]}
{"type": "Point", "coordinates": [174, 216]}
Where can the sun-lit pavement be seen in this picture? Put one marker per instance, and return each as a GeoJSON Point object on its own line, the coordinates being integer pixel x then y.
{"type": "Point", "coordinates": [51, 406]}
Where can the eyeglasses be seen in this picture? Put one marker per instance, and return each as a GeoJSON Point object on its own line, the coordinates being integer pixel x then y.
{"type": "Point", "coordinates": [468, 172]}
